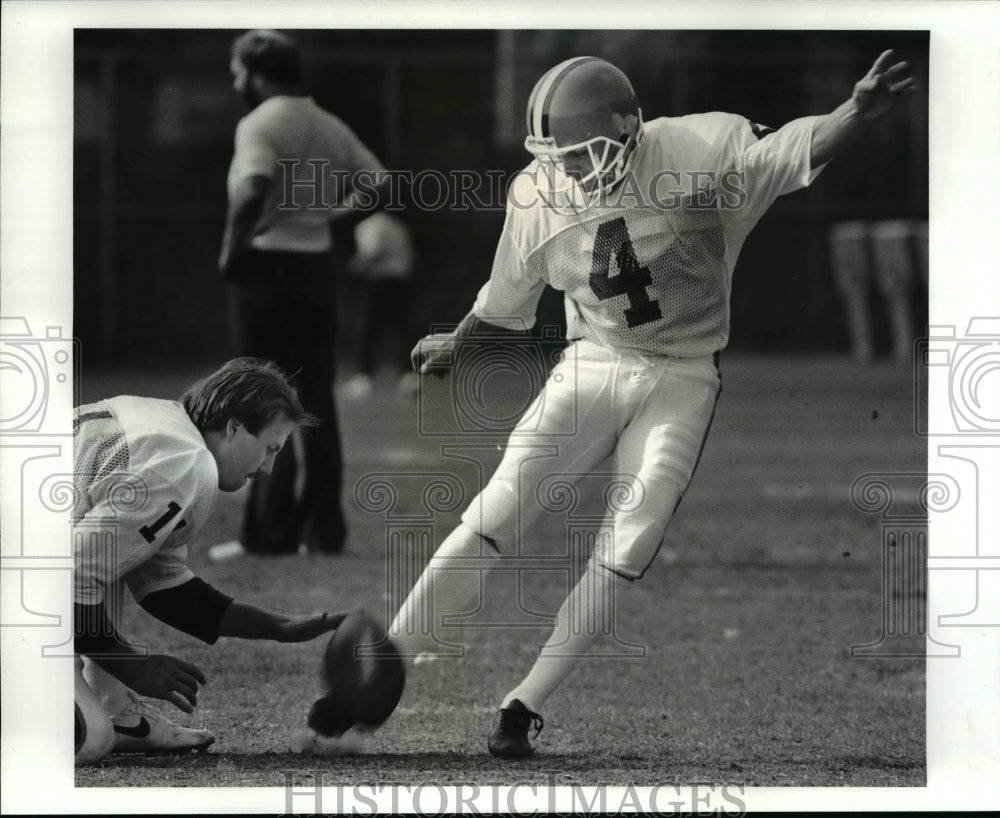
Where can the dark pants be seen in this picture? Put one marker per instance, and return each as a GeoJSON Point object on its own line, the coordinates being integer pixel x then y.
{"type": "Point", "coordinates": [389, 305]}
{"type": "Point", "coordinates": [283, 308]}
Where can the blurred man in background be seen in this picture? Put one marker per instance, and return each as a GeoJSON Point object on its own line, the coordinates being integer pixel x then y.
{"type": "Point", "coordinates": [146, 473]}
{"type": "Point", "coordinates": [284, 247]}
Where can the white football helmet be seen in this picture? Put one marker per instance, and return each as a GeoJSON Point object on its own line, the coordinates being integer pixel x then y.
{"type": "Point", "coordinates": [584, 119]}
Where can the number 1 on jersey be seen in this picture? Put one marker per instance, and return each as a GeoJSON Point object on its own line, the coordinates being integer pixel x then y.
{"type": "Point", "coordinates": [632, 278]}
{"type": "Point", "coordinates": [149, 532]}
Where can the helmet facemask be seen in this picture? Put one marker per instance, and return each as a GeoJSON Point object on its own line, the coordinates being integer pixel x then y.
{"type": "Point", "coordinates": [609, 159]}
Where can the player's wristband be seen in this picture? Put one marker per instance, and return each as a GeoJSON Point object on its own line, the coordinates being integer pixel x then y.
{"type": "Point", "coordinates": [194, 607]}
{"type": "Point", "coordinates": [93, 632]}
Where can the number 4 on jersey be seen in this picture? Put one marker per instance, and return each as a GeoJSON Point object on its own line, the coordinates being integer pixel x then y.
{"type": "Point", "coordinates": [632, 278]}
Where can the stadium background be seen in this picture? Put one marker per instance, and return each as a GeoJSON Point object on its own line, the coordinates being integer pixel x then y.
{"type": "Point", "coordinates": [154, 121]}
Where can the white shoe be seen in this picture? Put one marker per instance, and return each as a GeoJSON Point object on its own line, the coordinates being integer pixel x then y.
{"type": "Point", "coordinates": [141, 729]}
{"type": "Point", "coordinates": [226, 551]}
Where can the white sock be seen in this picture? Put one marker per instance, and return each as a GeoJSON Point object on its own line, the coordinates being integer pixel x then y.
{"type": "Point", "coordinates": [450, 584]}
{"type": "Point", "coordinates": [585, 616]}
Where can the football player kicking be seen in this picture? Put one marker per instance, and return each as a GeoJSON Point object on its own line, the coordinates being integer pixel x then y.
{"type": "Point", "coordinates": [146, 473]}
{"type": "Point", "coordinates": [640, 225]}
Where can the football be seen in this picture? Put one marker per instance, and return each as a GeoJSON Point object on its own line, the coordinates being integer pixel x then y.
{"type": "Point", "coordinates": [362, 676]}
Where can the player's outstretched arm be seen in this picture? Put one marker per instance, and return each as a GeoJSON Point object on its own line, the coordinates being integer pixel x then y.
{"type": "Point", "coordinates": [874, 95]}
{"type": "Point", "coordinates": [246, 621]}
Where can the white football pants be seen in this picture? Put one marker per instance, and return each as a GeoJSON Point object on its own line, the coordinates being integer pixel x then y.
{"type": "Point", "coordinates": [644, 418]}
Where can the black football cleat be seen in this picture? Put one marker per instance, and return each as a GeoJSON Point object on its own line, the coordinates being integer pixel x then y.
{"type": "Point", "coordinates": [509, 738]}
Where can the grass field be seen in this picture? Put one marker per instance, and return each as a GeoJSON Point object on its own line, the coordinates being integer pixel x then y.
{"type": "Point", "coordinates": [769, 574]}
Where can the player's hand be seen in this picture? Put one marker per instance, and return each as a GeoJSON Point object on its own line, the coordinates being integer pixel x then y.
{"type": "Point", "coordinates": [883, 86]}
{"type": "Point", "coordinates": [435, 354]}
{"type": "Point", "coordinates": [309, 626]}
{"type": "Point", "coordinates": [161, 677]}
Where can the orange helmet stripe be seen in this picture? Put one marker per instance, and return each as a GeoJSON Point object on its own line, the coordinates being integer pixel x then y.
{"type": "Point", "coordinates": [544, 91]}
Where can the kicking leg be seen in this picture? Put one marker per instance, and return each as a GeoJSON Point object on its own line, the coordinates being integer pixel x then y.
{"type": "Point", "coordinates": [576, 397]}
{"type": "Point", "coordinates": [450, 584]}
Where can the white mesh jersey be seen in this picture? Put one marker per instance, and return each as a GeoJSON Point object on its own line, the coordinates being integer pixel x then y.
{"type": "Point", "coordinates": [649, 267]}
{"type": "Point", "coordinates": [145, 483]}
